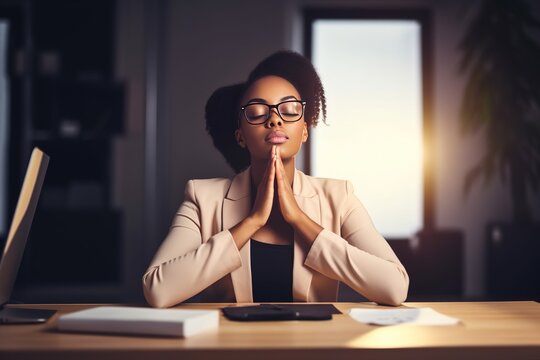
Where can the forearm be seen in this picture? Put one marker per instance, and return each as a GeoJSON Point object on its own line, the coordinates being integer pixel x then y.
{"type": "Point", "coordinates": [306, 228]}
{"type": "Point", "coordinates": [244, 230]}
{"type": "Point", "coordinates": [176, 273]}
{"type": "Point", "coordinates": [379, 276]}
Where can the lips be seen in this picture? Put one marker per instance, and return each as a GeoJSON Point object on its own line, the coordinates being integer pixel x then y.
{"type": "Point", "coordinates": [276, 137]}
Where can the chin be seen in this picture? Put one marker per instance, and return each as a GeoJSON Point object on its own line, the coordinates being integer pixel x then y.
{"type": "Point", "coordinates": [288, 155]}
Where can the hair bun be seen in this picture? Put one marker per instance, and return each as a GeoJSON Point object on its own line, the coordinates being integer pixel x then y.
{"type": "Point", "coordinates": [221, 114]}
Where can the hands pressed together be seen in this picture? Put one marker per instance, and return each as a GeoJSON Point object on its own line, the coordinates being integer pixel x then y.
{"type": "Point", "coordinates": [275, 180]}
{"type": "Point", "coordinates": [264, 200]}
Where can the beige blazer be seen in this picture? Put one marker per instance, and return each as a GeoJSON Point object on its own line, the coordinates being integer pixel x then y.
{"type": "Point", "coordinates": [199, 259]}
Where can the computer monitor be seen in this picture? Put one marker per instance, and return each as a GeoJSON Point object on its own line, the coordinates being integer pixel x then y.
{"type": "Point", "coordinates": [16, 242]}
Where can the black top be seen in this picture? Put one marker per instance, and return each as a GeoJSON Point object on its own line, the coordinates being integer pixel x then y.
{"type": "Point", "coordinates": [271, 272]}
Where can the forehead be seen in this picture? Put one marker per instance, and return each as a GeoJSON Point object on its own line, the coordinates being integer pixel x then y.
{"type": "Point", "coordinates": [270, 88]}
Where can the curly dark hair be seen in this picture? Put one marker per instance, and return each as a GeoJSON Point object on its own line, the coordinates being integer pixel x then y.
{"type": "Point", "coordinates": [222, 108]}
{"type": "Point", "coordinates": [299, 71]}
{"type": "Point", "coordinates": [221, 115]}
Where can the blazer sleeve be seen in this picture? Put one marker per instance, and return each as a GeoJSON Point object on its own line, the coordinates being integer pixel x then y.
{"type": "Point", "coordinates": [360, 257]}
{"type": "Point", "coordinates": [185, 263]}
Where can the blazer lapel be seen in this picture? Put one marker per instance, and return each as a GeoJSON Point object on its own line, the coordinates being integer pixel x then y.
{"type": "Point", "coordinates": [236, 207]}
{"type": "Point", "coordinates": [308, 200]}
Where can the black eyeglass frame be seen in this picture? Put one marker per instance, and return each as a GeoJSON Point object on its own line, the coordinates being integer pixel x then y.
{"type": "Point", "coordinates": [275, 106]}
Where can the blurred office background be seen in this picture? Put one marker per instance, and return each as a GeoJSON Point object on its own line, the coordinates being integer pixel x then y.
{"type": "Point", "coordinates": [114, 92]}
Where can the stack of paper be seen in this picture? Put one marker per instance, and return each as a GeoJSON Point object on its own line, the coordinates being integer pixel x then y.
{"type": "Point", "coordinates": [419, 316]}
{"type": "Point", "coordinates": [142, 321]}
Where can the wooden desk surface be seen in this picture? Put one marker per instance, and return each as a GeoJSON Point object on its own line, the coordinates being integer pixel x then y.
{"type": "Point", "coordinates": [489, 330]}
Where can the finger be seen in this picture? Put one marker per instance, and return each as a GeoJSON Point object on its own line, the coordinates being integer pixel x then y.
{"type": "Point", "coordinates": [282, 183]}
{"type": "Point", "coordinates": [284, 190]}
{"type": "Point", "coordinates": [280, 167]}
{"type": "Point", "coordinates": [272, 164]}
{"type": "Point", "coordinates": [269, 166]}
{"type": "Point", "coordinates": [272, 173]}
{"type": "Point", "coordinates": [272, 154]}
{"type": "Point", "coordinates": [265, 191]}
{"type": "Point", "coordinates": [266, 186]}
{"type": "Point", "coordinates": [279, 158]}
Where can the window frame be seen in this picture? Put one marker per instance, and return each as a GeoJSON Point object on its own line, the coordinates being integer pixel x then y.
{"type": "Point", "coordinates": [424, 18]}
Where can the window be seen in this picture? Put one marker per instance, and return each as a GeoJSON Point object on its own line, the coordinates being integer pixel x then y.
{"type": "Point", "coordinates": [372, 70]}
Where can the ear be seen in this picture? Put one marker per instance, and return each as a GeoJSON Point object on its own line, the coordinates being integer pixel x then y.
{"type": "Point", "coordinates": [239, 138]}
{"type": "Point", "coordinates": [305, 133]}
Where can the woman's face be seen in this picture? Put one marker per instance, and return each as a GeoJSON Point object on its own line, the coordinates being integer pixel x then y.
{"type": "Point", "coordinates": [259, 139]}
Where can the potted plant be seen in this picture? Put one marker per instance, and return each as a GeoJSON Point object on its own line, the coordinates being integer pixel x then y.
{"type": "Point", "coordinates": [501, 59]}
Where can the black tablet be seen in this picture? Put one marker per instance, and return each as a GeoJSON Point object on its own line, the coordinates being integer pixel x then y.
{"type": "Point", "coordinates": [274, 312]}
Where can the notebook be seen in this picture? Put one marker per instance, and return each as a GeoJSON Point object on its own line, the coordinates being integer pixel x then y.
{"type": "Point", "coordinates": [16, 242]}
{"type": "Point", "coordinates": [140, 321]}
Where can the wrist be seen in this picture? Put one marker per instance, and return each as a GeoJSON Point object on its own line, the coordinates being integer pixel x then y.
{"type": "Point", "coordinates": [307, 228]}
{"type": "Point", "coordinates": [244, 230]}
{"type": "Point", "coordinates": [254, 222]}
{"type": "Point", "coordinates": [298, 219]}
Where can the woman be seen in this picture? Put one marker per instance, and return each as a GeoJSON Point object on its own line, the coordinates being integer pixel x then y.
{"type": "Point", "coordinates": [271, 233]}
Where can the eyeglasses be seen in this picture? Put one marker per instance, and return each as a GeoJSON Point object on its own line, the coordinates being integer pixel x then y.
{"type": "Point", "coordinates": [288, 111]}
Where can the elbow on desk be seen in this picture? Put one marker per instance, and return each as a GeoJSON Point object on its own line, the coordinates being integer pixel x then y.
{"type": "Point", "coordinates": [151, 295]}
{"type": "Point", "coordinates": [394, 298]}
{"type": "Point", "coordinates": [397, 294]}
{"type": "Point", "coordinates": [153, 292]}
{"type": "Point", "coordinates": [155, 301]}
{"type": "Point", "coordinates": [396, 291]}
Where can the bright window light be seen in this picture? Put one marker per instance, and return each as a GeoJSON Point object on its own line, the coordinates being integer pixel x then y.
{"type": "Point", "coordinates": [371, 71]}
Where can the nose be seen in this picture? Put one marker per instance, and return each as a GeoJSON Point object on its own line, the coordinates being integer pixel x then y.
{"type": "Point", "coordinates": [274, 119]}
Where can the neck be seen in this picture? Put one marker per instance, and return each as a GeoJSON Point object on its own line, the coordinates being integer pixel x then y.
{"type": "Point", "coordinates": [258, 167]}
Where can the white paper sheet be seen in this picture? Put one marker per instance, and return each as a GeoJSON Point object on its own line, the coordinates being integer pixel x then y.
{"type": "Point", "coordinates": [410, 316]}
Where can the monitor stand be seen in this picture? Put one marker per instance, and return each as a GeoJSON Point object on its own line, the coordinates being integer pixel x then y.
{"type": "Point", "coordinates": [24, 316]}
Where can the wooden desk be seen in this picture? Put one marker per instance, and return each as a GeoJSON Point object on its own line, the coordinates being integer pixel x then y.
{"type": "Point", "coordinates": [489, 330]}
